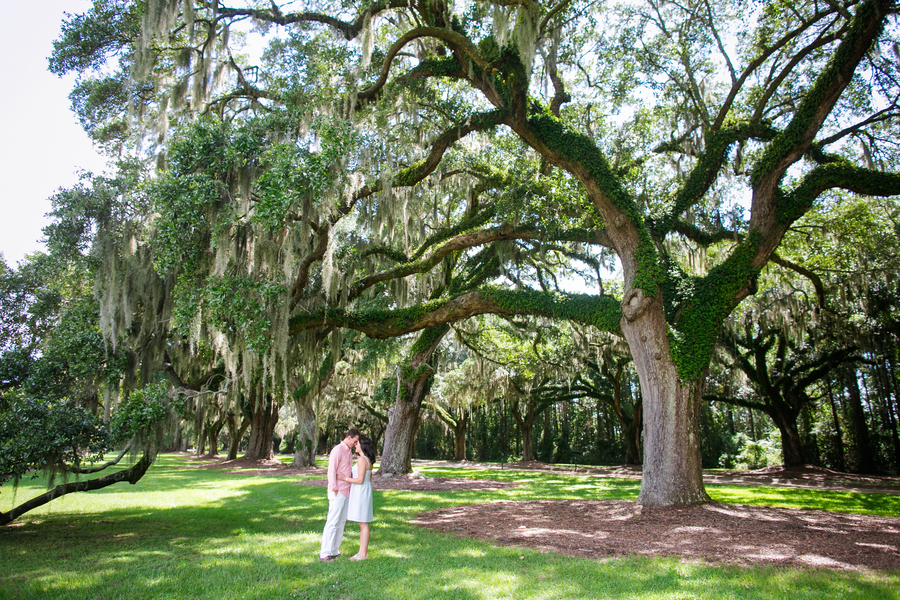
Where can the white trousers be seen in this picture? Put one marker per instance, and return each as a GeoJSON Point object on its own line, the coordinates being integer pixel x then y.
{"type": "Point", "coordinates": [334, 524]}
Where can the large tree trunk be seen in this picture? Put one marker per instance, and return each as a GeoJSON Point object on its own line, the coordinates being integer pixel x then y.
{"type": "Point", "coordinates": [412, 385]}
{"type": "Point", "coordinates": [307, 434]}
{"type": "Point", "coordinates": [672, 471]}
{"type": "Point", "coordinates": [263, 417]}
{"type": "Point", "coordinates": [791, 446]}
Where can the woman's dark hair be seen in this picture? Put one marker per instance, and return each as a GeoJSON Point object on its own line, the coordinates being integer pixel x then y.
{"type": "Point", "coordinates": [368, 447]}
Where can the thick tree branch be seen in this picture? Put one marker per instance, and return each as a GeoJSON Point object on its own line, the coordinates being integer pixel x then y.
{"type": "Point", "coordinates": [758, 62]}
{"type": "Point", "coordinates": [603, 312]}
{"type": "Point", "coordinates": [817, 104]}
{"type": "Point", "coordinates": [839, 175]}
{"type": "Point", "coordinates": [348, 30]}
{"type": "Point", "coordinates": [465, 49]}
{"type": "Point", "coordinates": [132, 475]}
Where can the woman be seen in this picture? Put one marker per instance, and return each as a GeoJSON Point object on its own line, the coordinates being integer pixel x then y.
{"type": "Point", "coordinates": [360, 504]}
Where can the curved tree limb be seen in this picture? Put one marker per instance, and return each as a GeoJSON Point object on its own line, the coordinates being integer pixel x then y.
{"type": "Point", "coordinates": [836, 175]}
{"type": "Point", "coordinates": [107, 464]}
{"type": "Point", "coordinates": [603, 312]}
{"type": "Point", "coordinates": [132, 475]}
{"type": "Point", "coordinates": [464, 47]}
{"type": "Point", "coordinates": [348, 30]}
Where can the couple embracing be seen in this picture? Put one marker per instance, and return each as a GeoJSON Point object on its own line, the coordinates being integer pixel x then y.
{"type": "Point", "coordinates": [349, 494]}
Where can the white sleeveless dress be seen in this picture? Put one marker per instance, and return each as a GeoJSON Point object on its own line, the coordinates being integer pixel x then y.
{"type": "Point", "coordinates": [359, 509]}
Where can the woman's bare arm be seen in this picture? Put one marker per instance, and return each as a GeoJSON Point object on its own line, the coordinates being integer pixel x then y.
{"type": "Point", "coordinates": [362, 465]}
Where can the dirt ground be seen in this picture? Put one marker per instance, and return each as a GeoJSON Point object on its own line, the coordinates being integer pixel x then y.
{"type": "Point", "coordinates": [712, 533]}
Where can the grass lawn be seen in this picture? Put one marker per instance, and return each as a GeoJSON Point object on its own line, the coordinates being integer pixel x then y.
{"type": "Point", "coordinates": [192, 533]}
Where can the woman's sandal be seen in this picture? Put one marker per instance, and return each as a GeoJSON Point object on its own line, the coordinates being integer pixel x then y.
{"type": "Point", "coordinates": [358, 557]}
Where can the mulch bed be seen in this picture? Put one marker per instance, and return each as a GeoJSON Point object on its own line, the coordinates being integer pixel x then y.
{"type": "Point", "coordinates": [712, 533]}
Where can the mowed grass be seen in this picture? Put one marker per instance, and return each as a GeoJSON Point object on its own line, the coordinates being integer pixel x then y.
{"type": "Point", "coordinates": [193, 533]}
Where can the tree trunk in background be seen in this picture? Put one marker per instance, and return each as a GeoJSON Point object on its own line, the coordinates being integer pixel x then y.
{"type": "Point", "coordinates": [263, 417]}
{"type": "Point", "coordinates": [838, 436]}
{"type": "Point", "coordinates": [307, 434]}
{"type": "Point", "coordinates": [411, 386]}
{"type": "Point", "coordinates": [307, 426]}
{"type": "Point", "coordinates": [884, 382]}
{"type": "Point", "coordinates": [631, 426]}
{"type": "Point", "coordinates": [237, 434]}
{"type": "Point", "coordinates": [864, 462]}
{"type": "Point", "coordinates": [633, 435]}
{"type": "Point", "coordinates": [459, 434]}
{"type": "Point", "coordinates": [791, 446]}
{"type": "Point", "coordinates": [526, 427]}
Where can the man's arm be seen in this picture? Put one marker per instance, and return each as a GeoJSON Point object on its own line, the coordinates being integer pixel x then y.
{"type": "Point", "coordinates": [332, 466]}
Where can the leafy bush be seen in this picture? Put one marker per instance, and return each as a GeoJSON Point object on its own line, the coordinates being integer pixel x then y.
{"type": "Point", "coordinates": [758, 454]}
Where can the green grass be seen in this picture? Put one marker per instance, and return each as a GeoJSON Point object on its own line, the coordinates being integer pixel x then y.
{"type": "Point", "coordinates": [190, 533]}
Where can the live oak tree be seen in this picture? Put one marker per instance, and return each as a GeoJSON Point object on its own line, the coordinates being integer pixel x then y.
{"type": "Point", "coordinates": [650, 127]}
{"type": "Point", "coordinates": [780, 118]}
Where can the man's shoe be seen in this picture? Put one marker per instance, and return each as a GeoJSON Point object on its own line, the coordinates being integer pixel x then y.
{"type": "Point", "coordinates": [335, 555]}
{"type": "Point", "coordinates": [326, 558]}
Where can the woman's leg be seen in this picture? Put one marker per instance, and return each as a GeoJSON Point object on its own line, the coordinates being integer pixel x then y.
{"type": "Point", "coordinates": [363, 540]}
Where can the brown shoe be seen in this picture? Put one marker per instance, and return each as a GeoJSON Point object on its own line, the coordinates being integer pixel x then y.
{"type": "Point", "coordinates": [326, 558]}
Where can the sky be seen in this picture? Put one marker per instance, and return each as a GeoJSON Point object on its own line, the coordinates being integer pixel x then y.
{"type": "Point", "coordinates": [42, 146]}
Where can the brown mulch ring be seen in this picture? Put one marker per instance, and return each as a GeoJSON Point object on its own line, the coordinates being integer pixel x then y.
{"type": "Point", "coordinates": [428, 484]}
{"type": "Point", "coordinates": [712, 533]}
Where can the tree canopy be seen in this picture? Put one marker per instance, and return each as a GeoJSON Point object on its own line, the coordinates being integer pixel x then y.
{"type": "Point", "coordinates": [394, 167]}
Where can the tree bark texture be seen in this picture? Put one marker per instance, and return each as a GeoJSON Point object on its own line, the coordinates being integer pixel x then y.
{"type": "Point", "coordinates": [413, 383]}
{"type": "Point", "coordinates": [263, 417]}
{"type": "Point", "coordinates": [307, 434]}
{"type": "Point", "coordinates": [459, 433]}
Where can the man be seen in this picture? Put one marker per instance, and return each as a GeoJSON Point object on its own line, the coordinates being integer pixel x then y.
{"type": "Point", "coordinates": [340, 461]}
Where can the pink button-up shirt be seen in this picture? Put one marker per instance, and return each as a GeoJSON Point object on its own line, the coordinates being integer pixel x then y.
{"type": "Point", "coordinates": [340, 461]}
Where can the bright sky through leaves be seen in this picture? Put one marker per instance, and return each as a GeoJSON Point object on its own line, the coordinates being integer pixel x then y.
{"type": "Point", "coordinates": [43, 145]}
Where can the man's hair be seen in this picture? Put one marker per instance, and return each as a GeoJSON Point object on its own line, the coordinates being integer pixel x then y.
{"type": "Point", "coordinates": [352, 432]}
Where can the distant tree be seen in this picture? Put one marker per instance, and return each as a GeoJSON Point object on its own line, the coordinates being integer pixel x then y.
{"type": "Point", "coordinates": [783, 372]}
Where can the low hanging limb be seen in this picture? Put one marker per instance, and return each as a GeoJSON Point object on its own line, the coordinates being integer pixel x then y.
{"type": "Point", "coordinates": [132, 475]}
